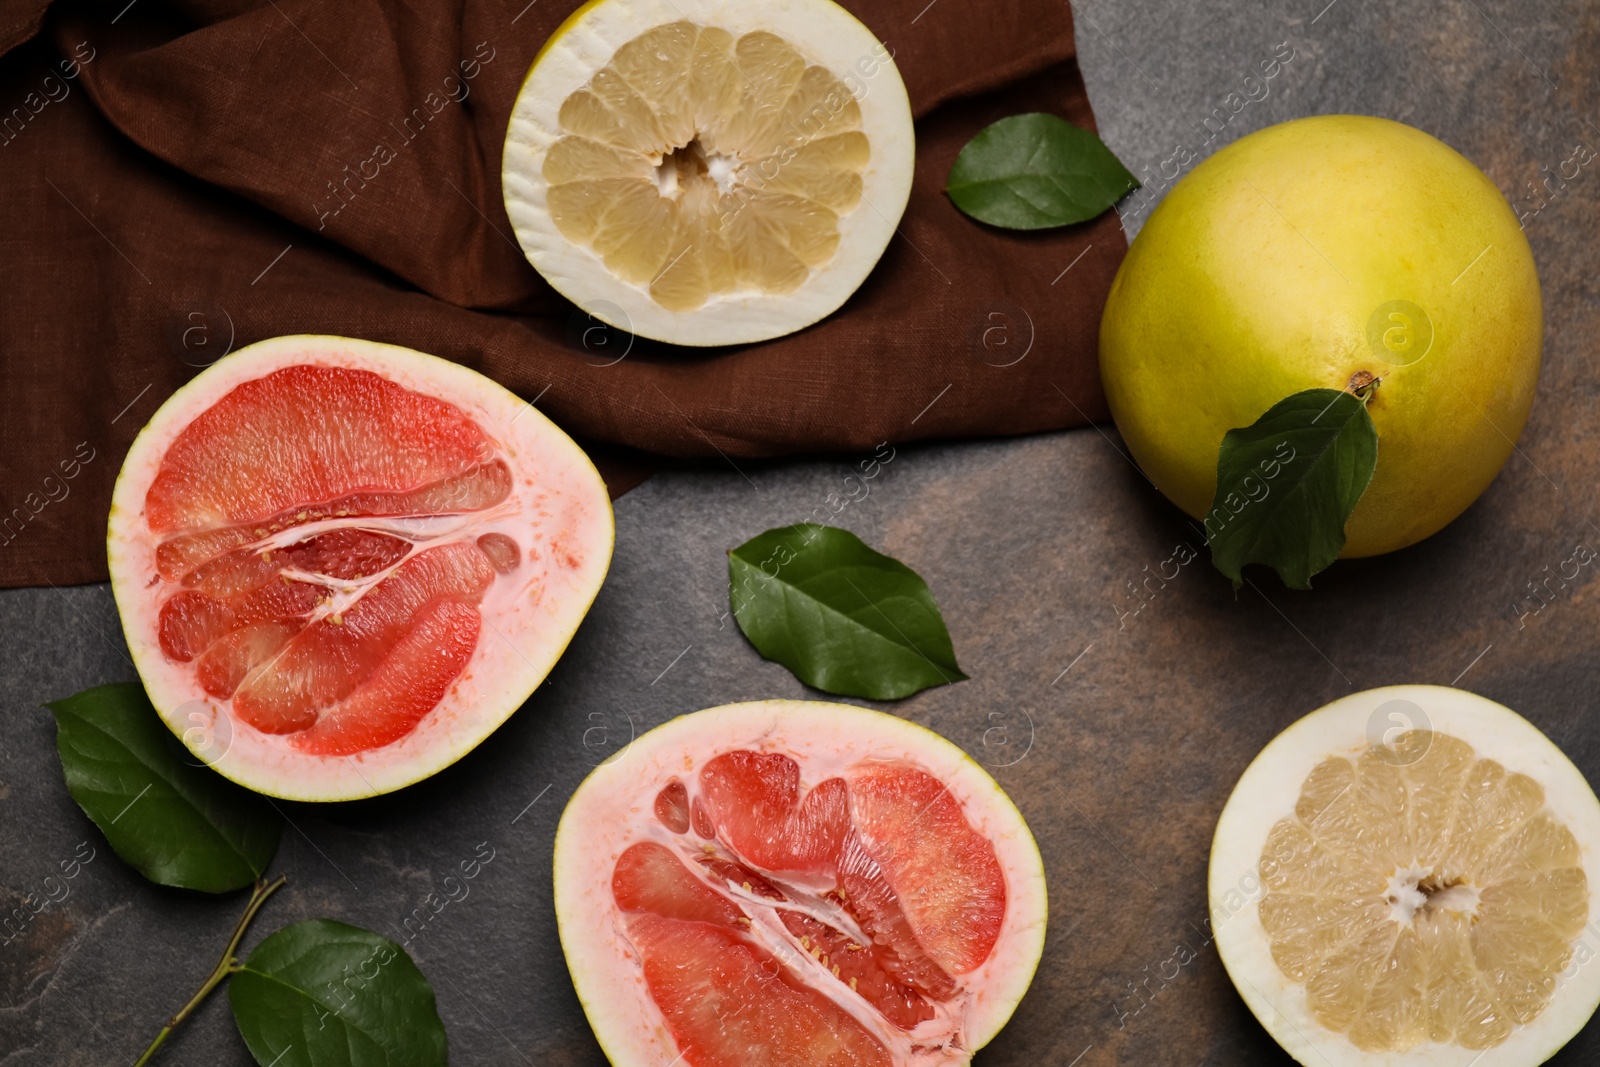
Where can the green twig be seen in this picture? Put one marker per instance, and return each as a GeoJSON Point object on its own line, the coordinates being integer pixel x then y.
{"type": "Point", "coordinates": [225, 966]}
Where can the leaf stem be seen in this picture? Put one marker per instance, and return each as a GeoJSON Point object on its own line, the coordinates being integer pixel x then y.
{"type": "Point", "coordinates": [225, 966]}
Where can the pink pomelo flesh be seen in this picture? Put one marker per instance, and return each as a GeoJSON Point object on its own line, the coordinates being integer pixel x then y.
{"type": "Point", "coordinates": [341, 564]}
{"type": "Point", "coordinates": [817, 897]}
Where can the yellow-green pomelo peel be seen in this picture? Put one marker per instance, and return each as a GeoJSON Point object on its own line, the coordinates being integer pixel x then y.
{"type": "Point", "coordinates": [1306, 254]}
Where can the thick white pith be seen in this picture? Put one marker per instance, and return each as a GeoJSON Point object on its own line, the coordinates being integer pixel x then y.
{"type": "Point", "coordinates": [613, 809]}
{"type": "Point", "coordinates": [820, 30]}
{"type": "Point", "coordinates": [529, 615]}
{"type": "Point", "coordinates": [1267, 792]}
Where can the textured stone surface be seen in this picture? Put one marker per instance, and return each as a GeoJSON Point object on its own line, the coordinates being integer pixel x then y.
{"type": "Point", "coordinates": [1120, 763]}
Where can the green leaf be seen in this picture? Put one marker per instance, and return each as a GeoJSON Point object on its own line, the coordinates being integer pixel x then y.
{"type": "Point", "coordinates": [175, 822]}
{"type": "Point", "coordinates": [1035, 171]}
{"type": "Point", "coordinates": [1287, 483]}
{"type": "Point", "coordinates": [324, 994]}
{"type": "Point", "coordinates": [841, 617]}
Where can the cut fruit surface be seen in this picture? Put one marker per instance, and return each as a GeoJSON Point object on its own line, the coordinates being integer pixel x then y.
{"type": "Point", "coordinates": [796, 883]}
{"type": "Point", "coordinates": [708, 173]}
{"type": "Point", "coordinates": [340, 565]}
{"type": "Point", "coordinates": [1407, 876]}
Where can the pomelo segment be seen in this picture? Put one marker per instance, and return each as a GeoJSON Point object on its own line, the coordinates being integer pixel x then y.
{"type": "Point", "coordinates": [1408, 876]}
{"type": "Point", "coordinates": [340, 565]}
{"type": "Point", "coordinates": [704, 172]}
{"type": "Point", "coordinates": [796, 883]}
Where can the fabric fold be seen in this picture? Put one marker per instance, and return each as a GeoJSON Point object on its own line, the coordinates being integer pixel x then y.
{"type": "Point", "coordinates": [188, 177]}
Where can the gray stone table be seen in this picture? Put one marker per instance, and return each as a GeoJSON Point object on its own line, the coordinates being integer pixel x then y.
{"type": "Point", "coordinates": [1120, 737]}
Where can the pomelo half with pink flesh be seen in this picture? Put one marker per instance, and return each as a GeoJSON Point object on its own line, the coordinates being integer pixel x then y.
{"type": "Point", "coordinates": [340, 565]}
{"type": "Point", "coordinates": [796, 883]}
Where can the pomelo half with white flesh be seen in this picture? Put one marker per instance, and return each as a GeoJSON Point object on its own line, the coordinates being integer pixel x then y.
{"type": "Point", "coordinates": [340, 565]}
{"type": "Point", "coordinates": [1407, 876]}
{"type": "Point", "coordinates": [709, 172]}
{"type": "Point", "coordinates": [800, 884]}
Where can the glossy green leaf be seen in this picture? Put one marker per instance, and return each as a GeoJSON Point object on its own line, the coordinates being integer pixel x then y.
{"type": "Point", "coordinates": [1035, 171]}
{"type": "Point", "coordinates": [1287, 483]}
{"type": "Point", "coordinates": [174, 820]}
{"type": "Point", "coordinates": [843, 618]}
{"type": "Point", "coordinates": [324, 994]}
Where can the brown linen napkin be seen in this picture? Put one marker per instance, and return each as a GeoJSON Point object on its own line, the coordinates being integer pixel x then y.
{"type": "Point", "coordinates": [185, 177]}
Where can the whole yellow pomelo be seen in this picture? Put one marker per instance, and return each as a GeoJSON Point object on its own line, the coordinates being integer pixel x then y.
{"type": "Point", "coordinates": [1304, 256]}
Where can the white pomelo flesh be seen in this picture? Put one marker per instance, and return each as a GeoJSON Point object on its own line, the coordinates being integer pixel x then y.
{"type": "Point", "coordinates": [1438, 846]}
{"type": "Point", "coordinates": [276, 491]}
{"type": "Point", "coordinates": [769, 906]}
{"type": "Point", "coordinates": [705, 172]}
